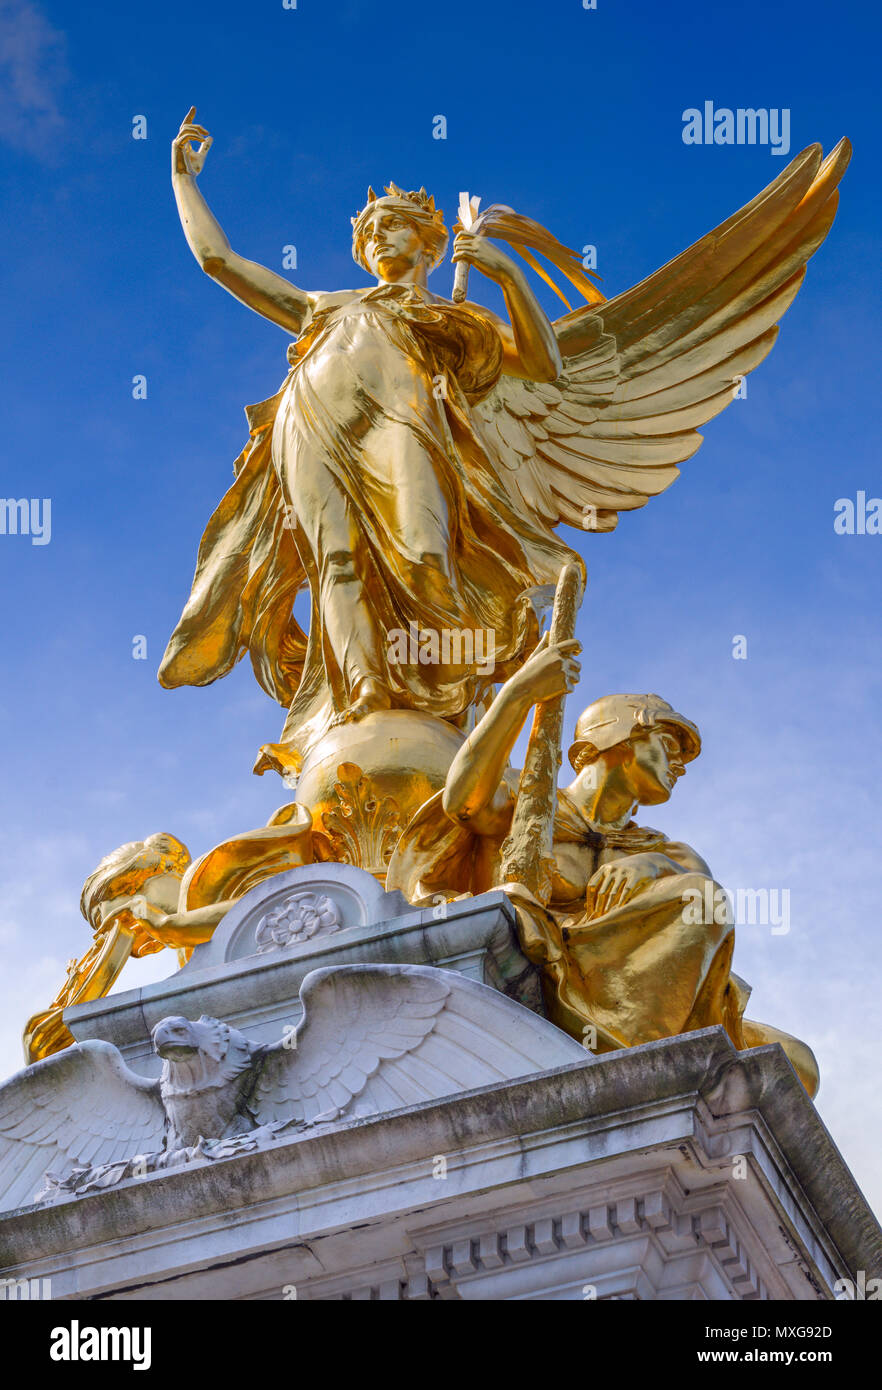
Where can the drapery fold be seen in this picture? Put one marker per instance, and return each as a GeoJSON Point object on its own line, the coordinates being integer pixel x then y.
{"type": "Point", "coordinates": [372, 378]}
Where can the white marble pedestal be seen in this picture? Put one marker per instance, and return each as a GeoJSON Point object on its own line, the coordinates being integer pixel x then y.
{"type": "Point", "coordinates": [682, 1169]}
{"type": "Point", "coordinates": [678, 1170]}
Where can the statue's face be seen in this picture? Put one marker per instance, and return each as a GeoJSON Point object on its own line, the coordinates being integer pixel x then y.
{"type": "Point", "coordinates": [655, 764]}
{"type": "Point", "coordinates": [392, 244]}
{"type": "Point", "coordinates": [163, 891]}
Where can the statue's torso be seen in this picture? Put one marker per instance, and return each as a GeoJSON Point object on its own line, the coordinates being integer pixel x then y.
{"type": "Point", "coordinates": [578, 852]}
{"type": "Point", "coordinates": [392, 339]}
{"type": "Point", "coordinates": [575, 865]}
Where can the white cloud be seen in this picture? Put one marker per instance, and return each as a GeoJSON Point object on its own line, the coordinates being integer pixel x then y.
{"type": "Point", "coordinates": [32, 71]}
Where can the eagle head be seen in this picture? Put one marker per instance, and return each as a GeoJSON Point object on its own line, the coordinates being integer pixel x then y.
{"type": "Point", "coordinates": [207, 1075]}
{"type": "Point", "coordinates": [180, 1039]}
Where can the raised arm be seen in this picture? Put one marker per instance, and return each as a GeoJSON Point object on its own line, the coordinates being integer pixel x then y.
{"type": "Point", "coordinates": [262, 290]}
{"type": "Point", "coordinates": [474, 793]}
{"type": "Point", "coordinates": [529, 345]}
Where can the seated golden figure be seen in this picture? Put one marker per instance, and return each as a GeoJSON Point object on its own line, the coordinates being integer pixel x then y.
{"type": "Point", "coordinates": [141, 877]}
{"type": "Point", "coordinates": [625, 956]}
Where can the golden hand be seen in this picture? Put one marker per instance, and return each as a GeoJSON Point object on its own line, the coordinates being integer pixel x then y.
{"type": "Point", "coordinates": [185, 159]}
{"type": "Point", "coordinates": [551, 670]}
{"type": "Point", "coordinates": [622, 879]}
{"type": "Point", "coordinates": [484, 256]}
{"type": "Point", "coordinates": [150, 920]}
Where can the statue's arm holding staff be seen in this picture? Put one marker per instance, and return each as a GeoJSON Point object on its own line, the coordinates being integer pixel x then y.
{"type": "Point", "coordinates": [529, 345]}
{"type": "Point", "coordinates": [476, 793]}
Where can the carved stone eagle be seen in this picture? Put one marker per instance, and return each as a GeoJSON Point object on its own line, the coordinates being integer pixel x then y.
{"type": "Point", "coordinates": [373, 1038]}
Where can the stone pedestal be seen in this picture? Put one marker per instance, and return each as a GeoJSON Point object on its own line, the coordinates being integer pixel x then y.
{"type": "Point", "coordinates": [257, 990]}
{"type": "Point", "coordinates": [682, 1169]}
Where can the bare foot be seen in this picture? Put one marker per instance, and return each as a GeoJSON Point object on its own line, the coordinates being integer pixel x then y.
{"type": "Point", "coordinates": [371, 695]}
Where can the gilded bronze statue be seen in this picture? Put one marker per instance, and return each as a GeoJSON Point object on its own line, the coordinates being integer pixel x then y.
{"type": "Point", "coordinates": [419, 456]}
{"type": "Point", "coordinates": [411, 474]}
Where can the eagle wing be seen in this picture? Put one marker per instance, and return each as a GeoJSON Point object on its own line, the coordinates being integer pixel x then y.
{"type": "Point", "coordinates": [79, 1106]}
{"type": "Point", "coordinates": [643, 370]}
{"type": "Point", "coordinates": [375, 1038]}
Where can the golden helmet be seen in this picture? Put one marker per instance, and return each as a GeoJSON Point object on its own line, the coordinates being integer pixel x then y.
{"type": "Point", "coordinates": [613, 718]}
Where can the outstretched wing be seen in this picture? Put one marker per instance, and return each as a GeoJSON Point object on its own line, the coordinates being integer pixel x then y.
{"type": "Point", "coordinates": [375, 1038]}
{"type": "Point", "coordinates": [644, 370]}
{"type": "Point", "coordinates": [82, 1105]}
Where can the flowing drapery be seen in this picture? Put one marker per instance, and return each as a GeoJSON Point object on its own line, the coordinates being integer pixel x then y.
{"type": "Point", "coordinates": [378, 399]}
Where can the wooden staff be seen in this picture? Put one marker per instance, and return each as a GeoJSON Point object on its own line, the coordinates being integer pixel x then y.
{"type": "Point", "coordinates": [527, 856]}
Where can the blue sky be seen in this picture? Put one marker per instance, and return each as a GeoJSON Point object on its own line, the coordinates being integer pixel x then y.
{"type": "Point", "coordinates": [575, 118]}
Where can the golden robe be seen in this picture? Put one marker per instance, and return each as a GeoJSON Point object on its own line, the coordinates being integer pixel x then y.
{"type": "Point", "coordinates": [644, 970]}
{"type": "Point", "coordinates": [372, 432]}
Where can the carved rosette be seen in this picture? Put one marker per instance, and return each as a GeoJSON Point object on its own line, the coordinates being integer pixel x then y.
{"type": "Point", "coordinates": [299, 917]}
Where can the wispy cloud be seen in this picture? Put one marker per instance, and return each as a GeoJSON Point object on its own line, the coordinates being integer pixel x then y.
{"type": "Point", "coordinates": [32, 71]}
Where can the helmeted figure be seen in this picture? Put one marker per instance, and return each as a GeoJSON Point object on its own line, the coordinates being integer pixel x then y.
{"type": "Point", "coordinates": [627, 949]}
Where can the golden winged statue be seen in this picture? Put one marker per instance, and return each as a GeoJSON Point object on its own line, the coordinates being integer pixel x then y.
{"type": "Point", "coordinates": [410, 473]}
{"type": "Point", "coordinates": [414, 465]}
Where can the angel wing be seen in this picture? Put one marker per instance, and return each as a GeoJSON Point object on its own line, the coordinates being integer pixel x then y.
{"type": "Point", "coordinates": [377, 1037]}
{"type": "Point", "coordinates": [82, 1105]}
{"type": "Point", "coordinates": [643, 370]}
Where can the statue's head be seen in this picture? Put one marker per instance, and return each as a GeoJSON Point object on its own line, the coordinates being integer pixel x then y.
{"type": "Point", "coordinates": [641, 735]}
{"type": "Point", "coordinates": [178, 1038]}
{"type": "Point", "coordinates": [160, 861]}
{"type": "Point", "coordinates": [196, 1051]}
{"type": "Point", "coordinates": [393, 234]}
